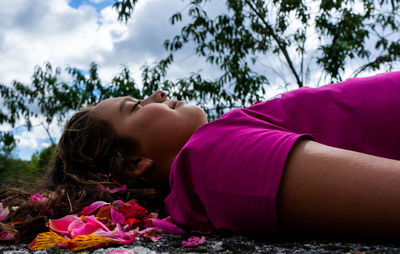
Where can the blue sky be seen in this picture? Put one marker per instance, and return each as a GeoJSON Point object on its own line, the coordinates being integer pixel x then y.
{"type": "Point", "coordinates": [97, 4]}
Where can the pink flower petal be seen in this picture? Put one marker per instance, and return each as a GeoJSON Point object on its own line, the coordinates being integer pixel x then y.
{"type": "Point", "coordinates": [75, 225]}
{"type": "Point", "coordinates": [131, 209]}
{"type": "Point", "coordinates": [38, 197]}
{"type": "Point", "coordinates": [119, 190]}
{"type": "Point", "coordinates": [4, 235]}
{"type": "Point", "coordinates": [61, 225]}
{"type": "Point", "coordinates": [85, 229]}
{"type": "Point", "coordinates": [51, 211]}
{"type": "Point", "coordinates": [104, 175]}
{"type": "Point", "coordinates": [117, 217]}
{"type": "Point", "coordinates": [150, 234]}
{"type": "Point", "coordinates": [3, 212]}
{"type": "Point", "coordinates": [118, 202]}
{"type": "Point", "coordinates": [194, 241]}
{"type": "Point", "coordinates": [90, 225]}
{"type": "Point", "coordinates": [118, 235]}
{"type": "Point", "coordinates": [92, 220]}
{"type": "Point", "coordinates": [112, 191]}
{"type": "Point", "coordinates": [165, 225]}
{"type": "Point", "coordinates": [92, 208]}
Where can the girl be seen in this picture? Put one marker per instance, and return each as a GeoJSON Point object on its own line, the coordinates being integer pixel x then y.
{"type": "Point", "coordinates": [313, 162]}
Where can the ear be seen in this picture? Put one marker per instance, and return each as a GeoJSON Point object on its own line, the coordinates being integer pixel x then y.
{"type": "Point", "coordinates": [142, 166]}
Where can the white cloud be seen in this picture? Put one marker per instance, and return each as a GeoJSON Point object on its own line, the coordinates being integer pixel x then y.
{"type": "Point", "coordinates": [33, 32]}
{"type": "Point", "coordinates": [40, 31]}
{"type": "Point", "coordinates": [27, 141]}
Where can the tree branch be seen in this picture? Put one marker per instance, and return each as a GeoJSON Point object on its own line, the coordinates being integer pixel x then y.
{"type": "Point", "coordinates": [379, 60]}
{"type": "Point", "coordinates": [48, 134]}
{"type": "Point", "coordinates": [280, 43]}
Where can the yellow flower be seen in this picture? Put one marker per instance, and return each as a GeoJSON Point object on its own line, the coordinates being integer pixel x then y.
{"type": "Point", "coordinates": [47, 239]}
{"type": "Point", "coordinates": [88, 241]}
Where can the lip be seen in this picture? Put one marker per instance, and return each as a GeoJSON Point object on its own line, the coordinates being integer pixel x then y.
{"type": "Point", "coordinates": [176, 103]}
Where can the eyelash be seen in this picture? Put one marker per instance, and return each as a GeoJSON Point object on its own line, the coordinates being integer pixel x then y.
{"type": "Point", "coordinates": [136, 104]}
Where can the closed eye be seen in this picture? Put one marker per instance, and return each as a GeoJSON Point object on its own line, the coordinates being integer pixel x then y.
{"type": "Point", "coordinates": [136, 105]}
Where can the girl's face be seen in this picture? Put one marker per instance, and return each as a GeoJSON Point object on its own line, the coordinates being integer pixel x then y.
{"type": "Point", "coordinates": [160, 125]}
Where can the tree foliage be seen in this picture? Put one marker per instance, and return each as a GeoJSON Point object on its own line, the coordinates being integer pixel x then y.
{"type": "Point", "coordinates": [327, 37]}
{"type": "Point", "coordinates": [349, 33]}
{"type": "Point", "coordinates": [24, 174]}
{"type": "Point", "coordinates": [52, 99]}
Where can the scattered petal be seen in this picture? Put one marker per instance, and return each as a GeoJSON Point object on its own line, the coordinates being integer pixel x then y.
{"type": "Point", "coordinates": [116, 217]}
{"type": "Point", "coordinates": [104, 175]}
{"type": "Point", "coordinates": [150, 234]}
{"type": "Point", "coordinates": [45, 240]}
{"type": "Point", "coordinates": [121, 189]}
{"type": "Point", "coordinates": [90, 225]}
{"type": "Point", "coordinates": [51, 211]}
{"type": "Point", "coordinates": [133, 222]}
{"type": "Point", "coordinates": [3, 212]}
{"type": "Point", "coordinates": [88, 241]}
{"type": "Point", "coordinates": [92, 208]}
{"type": "Point", "coordinates": [104, 211]}
{"type": "Point", "coordinates": [131, 209]}
{"type": "Point", "coordinates": [75, 225]}
{"type": "Point", "coordinates": [4, 235]}
{"type": "Point", "coordinates": [118, 235]}
{"type": "Point", "coordinates": [116, 223]}
{"type": "Point", "coordinates": [112, 191]}
{"type": "Point", "coordinates": [39, 198]}
{"type": "Point", "coordinates": [194, 241]}
{"type": "Point", "coordinates": [61, 226]}
{"type": "Point", "coordinates": [118, 203]}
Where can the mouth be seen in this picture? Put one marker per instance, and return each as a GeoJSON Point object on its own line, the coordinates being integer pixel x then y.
{"type": "Point", "coordinates": [174, 103]}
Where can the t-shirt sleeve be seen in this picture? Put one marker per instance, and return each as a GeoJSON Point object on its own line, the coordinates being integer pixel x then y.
{"type": "Point", "coordinates": [227, 176]}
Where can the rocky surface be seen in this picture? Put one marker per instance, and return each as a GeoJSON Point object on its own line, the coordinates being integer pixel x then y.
{"type": "Point", "coordinates": [223, 244]}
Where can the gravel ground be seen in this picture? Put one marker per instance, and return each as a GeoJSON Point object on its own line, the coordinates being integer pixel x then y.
{"type": "Point", "coordinates": [223, 244]}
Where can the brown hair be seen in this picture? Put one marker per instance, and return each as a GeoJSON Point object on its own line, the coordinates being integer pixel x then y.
{"type": "Point", "coordinates": [90, 153]}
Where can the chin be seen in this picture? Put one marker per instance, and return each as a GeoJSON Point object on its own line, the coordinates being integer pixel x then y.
{"type": "Point", "coordinates": [203, 115]}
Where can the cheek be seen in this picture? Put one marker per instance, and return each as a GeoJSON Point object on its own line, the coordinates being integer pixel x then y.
{"type": "Point", "coordinates": [158, 123]}
{"type": "Point", "coordinates": [195, 116]}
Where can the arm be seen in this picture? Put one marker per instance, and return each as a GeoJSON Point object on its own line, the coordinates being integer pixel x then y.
{"type": "Point", "coordinates": [335, 192]}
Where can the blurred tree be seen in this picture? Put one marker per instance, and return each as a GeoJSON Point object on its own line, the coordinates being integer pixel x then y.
{"type": "Point", "coordinates": [52, 99]}
{"type": "Point", "coordinates": [307, 36]}
{"type": "Point", "coordinates": [7, 144]}
{"type": "Point", "coordinates": [41, 159]}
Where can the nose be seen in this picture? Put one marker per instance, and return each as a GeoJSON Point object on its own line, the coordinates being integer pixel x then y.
{"type": "Point", "coordinates": [158, 97]}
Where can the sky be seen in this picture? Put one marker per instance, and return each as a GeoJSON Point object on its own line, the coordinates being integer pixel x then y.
{"type": "Point", "coordinates": [77, 32]}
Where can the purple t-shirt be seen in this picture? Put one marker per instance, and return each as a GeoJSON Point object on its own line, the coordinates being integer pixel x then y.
{"type": "Point", "coordinates": [227, 176]}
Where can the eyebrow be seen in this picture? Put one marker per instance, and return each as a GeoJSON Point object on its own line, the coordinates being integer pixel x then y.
{"type": "Point", "coordinates": [121, 104]}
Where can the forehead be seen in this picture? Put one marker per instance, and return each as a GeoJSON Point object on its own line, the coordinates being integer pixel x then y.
{"type": "Point", "coordinates": [109, 107]}
{"type": "Point", "coordinates": [107, 104]}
